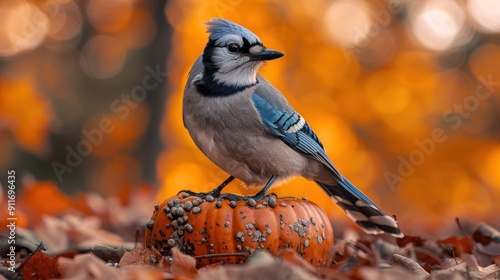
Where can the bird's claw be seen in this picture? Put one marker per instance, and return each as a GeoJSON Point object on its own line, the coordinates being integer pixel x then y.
{"type": "Point", "coordinates": [215, 193]}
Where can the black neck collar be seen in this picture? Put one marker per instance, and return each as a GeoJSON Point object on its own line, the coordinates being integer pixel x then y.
{"type": "Point", "coordinates": [208, 86]}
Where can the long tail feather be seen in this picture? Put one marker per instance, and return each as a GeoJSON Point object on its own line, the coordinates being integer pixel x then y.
{"type": "Point", "coordinates": [361, 209]}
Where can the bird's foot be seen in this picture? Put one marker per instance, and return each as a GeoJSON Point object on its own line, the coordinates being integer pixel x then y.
{"type": "Point", "coordinates": [261, 195]}
{"type": "Point", "coordinates": [215, 193]}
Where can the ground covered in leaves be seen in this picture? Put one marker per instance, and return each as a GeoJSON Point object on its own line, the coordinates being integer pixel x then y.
{"type": "Point", "coordinates": [89, 237]}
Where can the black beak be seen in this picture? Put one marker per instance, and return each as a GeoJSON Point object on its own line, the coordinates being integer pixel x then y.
{"type": "Point", "coordinates": [266, 54]}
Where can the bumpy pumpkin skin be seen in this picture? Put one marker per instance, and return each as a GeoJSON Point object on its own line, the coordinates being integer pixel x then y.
{"type": "Point", "coordinates": [207, 228]}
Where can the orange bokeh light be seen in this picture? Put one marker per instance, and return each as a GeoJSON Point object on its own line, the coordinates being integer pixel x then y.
{"type": "Point", "coordinates": [26, 114]}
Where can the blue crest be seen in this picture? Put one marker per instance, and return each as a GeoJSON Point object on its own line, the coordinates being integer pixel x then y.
{"type": "Point", "coordinates": [219, 27]}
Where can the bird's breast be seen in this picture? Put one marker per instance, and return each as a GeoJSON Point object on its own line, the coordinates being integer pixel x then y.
{"type": "Point", "coordinates": [229, 131]}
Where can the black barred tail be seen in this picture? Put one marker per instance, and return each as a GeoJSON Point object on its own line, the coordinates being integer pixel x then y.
{"type": "Point", "coordinates": [361, 209]}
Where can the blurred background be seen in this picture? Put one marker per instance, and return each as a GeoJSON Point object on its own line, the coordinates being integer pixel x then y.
{"type": "Point", "coordinates": [405, 96]}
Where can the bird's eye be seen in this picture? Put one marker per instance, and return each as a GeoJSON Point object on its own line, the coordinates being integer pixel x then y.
{"type": "Point", "coordinates": [233, 48]}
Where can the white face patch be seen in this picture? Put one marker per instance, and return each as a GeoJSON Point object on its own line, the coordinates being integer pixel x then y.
{"type": "Point", "coordinates": [233, 68]}
{"type": "Point", "coordinates": [256, 49]}
{"type": "Point", "coordinates": [242, 75]}
{"type": "Point", "coordinates": [227, 61]}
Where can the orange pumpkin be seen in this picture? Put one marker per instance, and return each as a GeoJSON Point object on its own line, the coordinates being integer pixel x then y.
{"type": "Point", "coordinates": [220, 229]}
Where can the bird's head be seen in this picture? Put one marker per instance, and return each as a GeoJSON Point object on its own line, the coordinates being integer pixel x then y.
{"type": "Point", "coordinates": [233, 54]}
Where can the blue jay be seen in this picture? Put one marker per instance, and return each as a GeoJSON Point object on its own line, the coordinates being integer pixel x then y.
{"type": "Point", "coordinates": [246, 126]}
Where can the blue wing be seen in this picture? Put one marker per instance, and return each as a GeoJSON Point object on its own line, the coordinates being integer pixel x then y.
{"type": "Point", "coordinates": [291, 128]}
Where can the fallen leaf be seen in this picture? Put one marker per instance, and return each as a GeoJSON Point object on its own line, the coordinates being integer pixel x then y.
{"type": "Point", "coordinates": [140, 273]}
{"type": "Point", "coordinates": [474, 272]}
{"type": "Point", "coordinates": [54, 233]}
{"type": "Point", "coordinates": [260, 266]}
{"type": "Point", "coordinates": [68, 254]}
{"type": "Point", "coordinates": [391, 273]}
{"type": "Point", "coordinates": [470, 261]}
{"type": "Point", "coordinates": [293, 258]}
{"type": "Point", "coordinates": [486, 254]}
{"type": "Point", "coordinates": [40, 266]}
{"type": "Point", "coordinates": [183, 266]}
{"type": "Point", "coordinates": [385, 249]}
{"type": "Point", "coordinates": [429, 254]}
{"type": "Point", "coordinates": [447, 275]}
{"type": "Point", "coordinates": [485, 234]}
{"type": "Point", "coordinates": [86, 231]}
{"type": "Point", "coordinates": [410, 265]}
{"type": "Point", "coordinates": [459, 245]}
{"type": "Point", "coordinates": [488, 244]}
{"type": "Point", "coordinates": [108, 253]}
{"type": "Point", "coordinates": [409, 239]}
{"type": "Point", "coordinates": [42, 198]}
{"type": "Point", "coordinates": [116, 215]}
{"type": "Point", "coordinates": [87, 266]}
{"type": "Point", "coordinates": [139, 257]}
{"type": "Point", "coordinates": [72, 231]}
